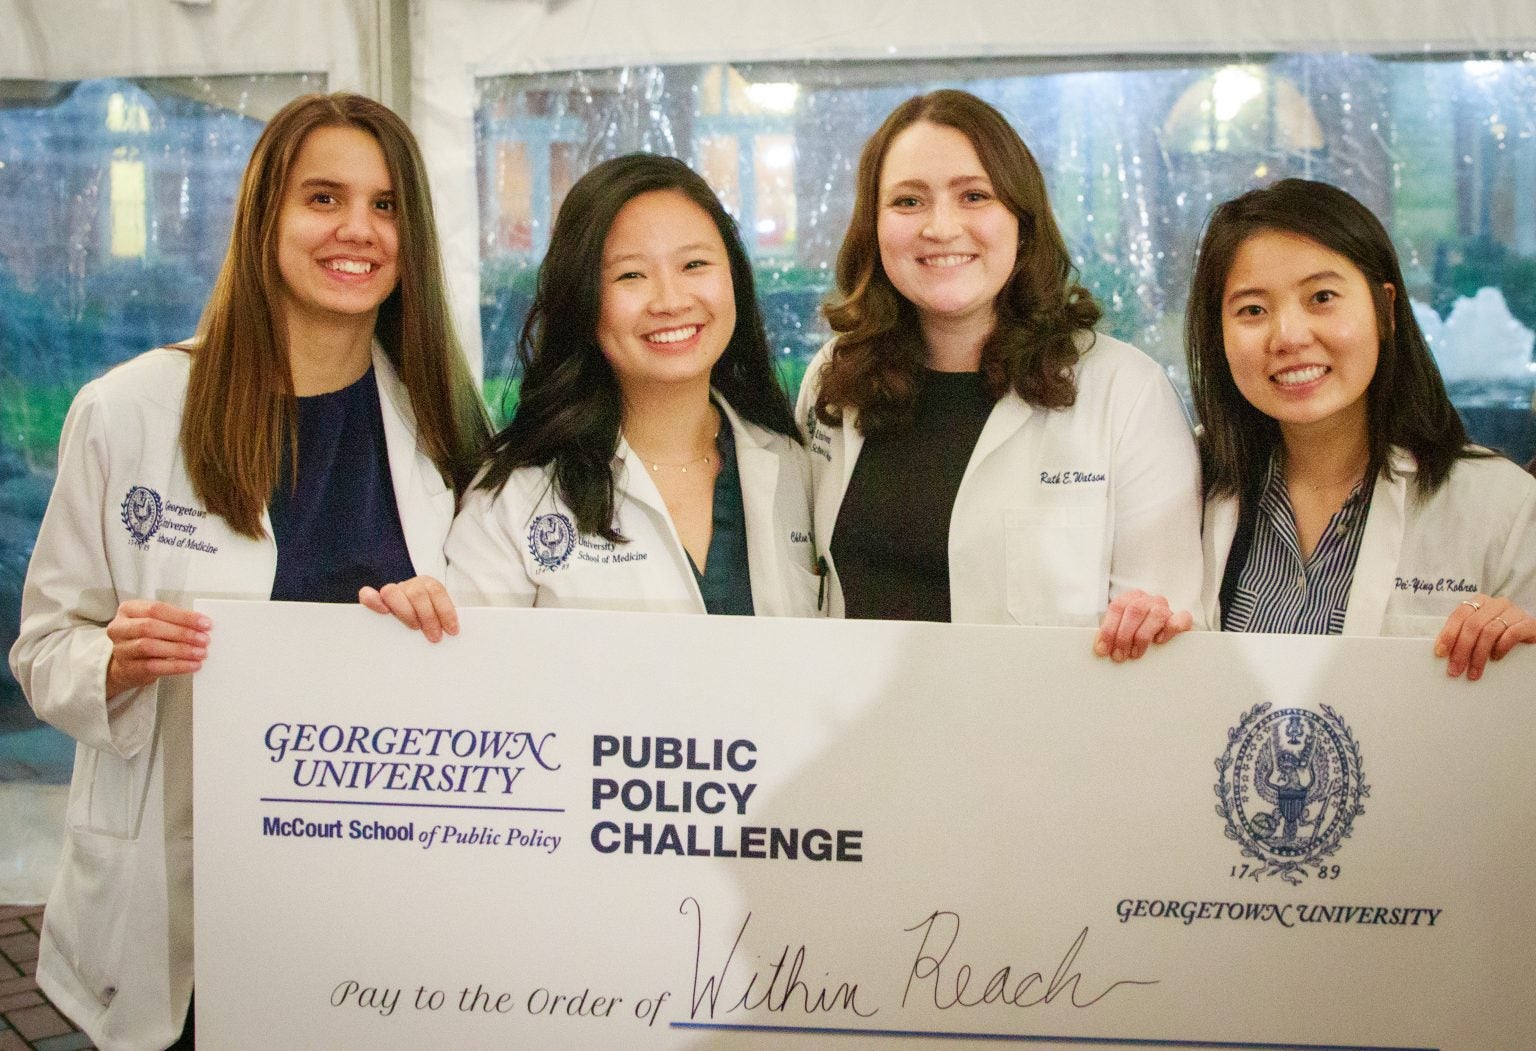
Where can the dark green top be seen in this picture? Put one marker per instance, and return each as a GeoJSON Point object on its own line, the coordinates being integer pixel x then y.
{"type": "Point", "coordinates": [727, 584]}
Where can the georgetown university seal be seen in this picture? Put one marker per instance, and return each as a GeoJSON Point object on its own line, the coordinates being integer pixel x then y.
{"type": "Point", "coordinates": [141, 514]}
{"type": "Point", "coordinates": [1290, 785]}
{"type": "Point", "coordinates": [551, 539]}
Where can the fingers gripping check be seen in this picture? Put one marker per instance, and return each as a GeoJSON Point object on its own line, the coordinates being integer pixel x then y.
{"type": "Point", "coordinates": [1480, 629]}
{"type": "Point", "coordinates": [151, 640]}
{"type": "Point", "coordinates": [421, 604]}
{"type": "Point", "coordinates": [1136, 621]}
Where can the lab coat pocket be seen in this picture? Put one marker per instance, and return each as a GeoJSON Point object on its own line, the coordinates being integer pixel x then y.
{"type": "Point", "coordinates": [108, 792]}
{"type": "Point", "coordinates": [1053, 564]}
{"type": "Point", "coordinates": [88, 914]}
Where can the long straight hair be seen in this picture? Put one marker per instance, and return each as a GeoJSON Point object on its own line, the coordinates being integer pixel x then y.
{"type": "Point", "coordinates": [240, 410]}
{"type": "Point", "coordinates": [569, 410]}
{"type": "Point", "coordinates": [879, 355]}
{"type": "Point", "coordinates": [1406, 403]}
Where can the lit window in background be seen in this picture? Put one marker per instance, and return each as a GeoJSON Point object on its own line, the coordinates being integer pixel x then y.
{"type": "Point", "coordinates": [513, 197]}
{"type": "Point", "coordinates": [129, 237]}
{"type": "Point", "coordinates": [774, 176]}
{"type": "Point", "coordinates": [564, 169]}
{"type": "Point", "coordinates": [126, 115]}
{"type": "Point", "coordinates": [1242, 108]}
{"type": "Point", "coordinates": [719, 163]}
{"type": "Point", "coordinates": [126, 182]}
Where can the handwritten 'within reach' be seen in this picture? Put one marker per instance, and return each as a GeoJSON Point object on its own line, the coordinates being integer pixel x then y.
{"type": "Point", "coordinates": [952, 982]}
{"type": "Point", "coordinates": [780, 988]}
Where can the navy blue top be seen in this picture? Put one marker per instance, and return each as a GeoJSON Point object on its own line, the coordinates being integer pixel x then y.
{"type": "Point", "coordinates": [339, 528]}
{"type": "Point", "coordinates": [726, 583]}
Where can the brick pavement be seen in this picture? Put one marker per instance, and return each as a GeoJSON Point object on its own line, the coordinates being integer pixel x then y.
{"type": "Point", "coordinates": [28, 1022]}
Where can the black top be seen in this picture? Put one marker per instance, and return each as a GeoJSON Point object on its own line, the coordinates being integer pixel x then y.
{"type": "Point", "coordinates": [339, 528]}
{"type": "Point", "coordinates": [891, 540]}
{"type": "Point", "coordinates": [727, 582]}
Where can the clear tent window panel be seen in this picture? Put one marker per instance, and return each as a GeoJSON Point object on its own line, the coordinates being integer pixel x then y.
{"type": "Point", "coordinates": [1136, 151]}
{"type": "Point", "coordinates": [116, 199]}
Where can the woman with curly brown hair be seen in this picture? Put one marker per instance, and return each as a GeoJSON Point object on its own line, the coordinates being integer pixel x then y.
{"type": "Point", "coordinates": [980, 454]}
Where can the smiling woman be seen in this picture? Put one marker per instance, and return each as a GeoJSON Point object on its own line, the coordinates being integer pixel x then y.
{"type": "Point", "coordinates": [338, 244]}
{"type": "Point", "coordinates": [980, 454]}
{"type": "Point", "coordinates": [653, 463]}
{"type": "Point", "coordinates": [309, 441]}
{"type": "Point", "coordinates": [668, 309]}
{"type": "Point", "coordinates": [948, 244]}
{"type": "Point", "coordinates": [1342, 494]}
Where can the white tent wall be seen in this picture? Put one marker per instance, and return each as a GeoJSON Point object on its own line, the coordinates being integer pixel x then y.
{"type": "Point", "coordinates": [80, 39]}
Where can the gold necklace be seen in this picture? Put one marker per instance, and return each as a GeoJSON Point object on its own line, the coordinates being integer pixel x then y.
{"type": "Point", "coordinates": [656, 465]}
{"type": "Point", "coordinates": [1354, 476]}
{"type": "Point", "coordinates": [1351, 478]}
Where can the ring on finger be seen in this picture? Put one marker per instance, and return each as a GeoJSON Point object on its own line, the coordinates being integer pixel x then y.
{"type": "Point", "coordinates": [1475, 605]}
{"type": "Point", "coordinates": [1502, 621]}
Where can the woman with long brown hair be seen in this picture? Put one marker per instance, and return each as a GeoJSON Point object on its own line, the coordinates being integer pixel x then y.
{"type": "Point", "coordinates": [980, 454]}
{"type": "Point", "coordinates": [308, 442]}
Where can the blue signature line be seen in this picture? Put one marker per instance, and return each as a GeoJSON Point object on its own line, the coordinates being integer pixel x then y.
{"type": "Point", "coordinates": [416, 806]}
{"type": "Point", "coordinates": [920, 1034]}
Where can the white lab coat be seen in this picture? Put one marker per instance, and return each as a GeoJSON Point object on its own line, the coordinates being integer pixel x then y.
{"type": "Point", "coordinates": [520, 547]}
{"type": "Point", "coordinates": [1420, 556]}
{"type": "Point", "coordinates": [124, 523]}
{"type": "Point", "coordinates": [1058, 509]}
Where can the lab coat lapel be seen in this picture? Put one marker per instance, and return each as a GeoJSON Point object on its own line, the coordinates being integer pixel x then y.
{"type": "Point", "coordinates": [758, 469]}
{"type": "Point", "coordinates": [1216, 536]}
{"type": "Point", "coordinates": [846, 442]}
{"type": "Point", "coordinates": [423, 499]}
{"type": "Point", "coordinates": [853, 443]}
{"type": "Point", "coordinates": [1007, 416]}
{"type": "Point", "coordinates": [1380, 549]}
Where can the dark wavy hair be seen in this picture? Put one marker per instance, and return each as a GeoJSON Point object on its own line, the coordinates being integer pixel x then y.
{"type": "Point", "coordinates": [1406, 403]}
{"type": "Point", "coordinates": [879, 354]}
{"type": "Point", "coordinates": [569, 410]}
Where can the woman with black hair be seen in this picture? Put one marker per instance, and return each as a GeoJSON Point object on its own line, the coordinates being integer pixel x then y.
{"type": "Point", "coordinates": [652, 463]}
{"type": "Point", "coordinates": [1342, 495]}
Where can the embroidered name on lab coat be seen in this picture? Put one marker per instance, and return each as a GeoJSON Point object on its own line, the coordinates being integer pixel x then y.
{"type": "Point", "coordinates": [1071, 477]}
{"type": "Point", "coordinates": [1436, 585]}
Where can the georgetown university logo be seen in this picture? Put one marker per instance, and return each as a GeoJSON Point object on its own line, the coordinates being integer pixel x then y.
{"type": "Point", "coordinates": [141, 514]}
{"type": "Point", "coordinates": [551, 539]}
{"type": "Point", "coordinates": [1290, 785]}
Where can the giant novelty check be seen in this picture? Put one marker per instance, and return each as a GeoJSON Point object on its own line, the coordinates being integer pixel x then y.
{"type": "Point", "coordinates": [622, 830]}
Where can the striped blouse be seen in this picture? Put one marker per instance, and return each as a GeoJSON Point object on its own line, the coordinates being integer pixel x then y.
{"type": "Point", "coordinates": [1279, 591]}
